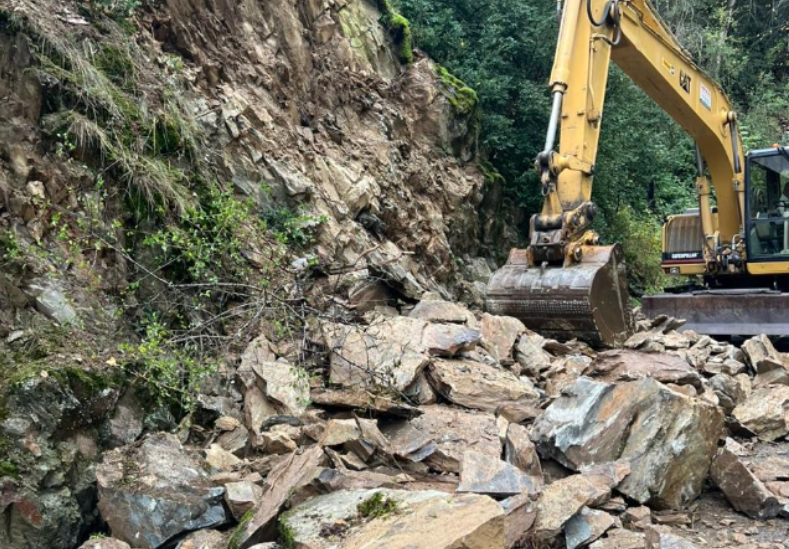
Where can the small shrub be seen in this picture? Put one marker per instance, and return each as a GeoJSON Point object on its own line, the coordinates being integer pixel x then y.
{"type": "Point", "coordinates": [377, 506]}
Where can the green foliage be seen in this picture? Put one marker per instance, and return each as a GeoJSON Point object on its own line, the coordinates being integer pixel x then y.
{"type": "Point", "coordinates": [294, 227]}
{"type": "Point", "coordinates": [286, 534]}
{"type": "Point", "coordinates": [205, 243]}
{"type": "Point", "coordinates": [377, 506]}
{"type": "Point", "coordinates": [8, 469]}
{"type": "Point", "coordinates": [641, 236]}
{"type": "Point", "coordinates": [400, 30]}
{"type": "Point", "coordinates": [118, 9]}
{"type": "Point", "coordinates": [172, 373]}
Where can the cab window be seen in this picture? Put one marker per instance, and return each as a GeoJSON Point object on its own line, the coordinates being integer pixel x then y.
{"type": "Point", "coordinates": [768, 205]}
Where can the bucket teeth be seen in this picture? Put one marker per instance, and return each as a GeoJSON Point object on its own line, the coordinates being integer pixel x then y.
{"type": "Point", "coordinates": [587, 301]}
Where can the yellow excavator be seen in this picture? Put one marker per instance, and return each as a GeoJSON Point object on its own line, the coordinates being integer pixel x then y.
{"type": "Point", "coordinates": [565, 284]}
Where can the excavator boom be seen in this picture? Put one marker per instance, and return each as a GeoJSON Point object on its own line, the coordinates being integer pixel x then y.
{"type": "Point", "coordinates": [565, 284]}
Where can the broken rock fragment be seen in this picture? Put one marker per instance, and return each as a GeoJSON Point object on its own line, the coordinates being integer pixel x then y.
{"type": "Point", "coordinates": [520, 451]}
{"type": "Point", "coordinates": [484, 474]}
{"type": "Point", "coordinates": [478, 386]}
{"type": "Point", "coordinates": [765, 412]}
{"type": "Point", "coordinates": [499, 335]}
{"type": "Point", "coordinates": [449, 339]}
{"type": "Point", "coordinates": [151, 492]}
{"type": "Point", "coordinates": [658, 539]}
{"type": "Point", "coordinates": [587, 526]}
{"type": "Point", "coordinates": [292, 473]}
{"type": "Point", "coordinates": [241, 497]}
{"type": "Point", "coordinates": [455, 432]}
{"type": "Point", "coordinates": [746, 493]}
{"type": "Point", "coordinates": [669, 439]}
{"type": "Point", "coordinates": [560, 501]}
{"type": "Point", "coordinates": [442, 311]}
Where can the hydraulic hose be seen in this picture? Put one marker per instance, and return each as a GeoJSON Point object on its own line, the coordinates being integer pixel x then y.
{"type": "Point", "coordinates": [611, 14]}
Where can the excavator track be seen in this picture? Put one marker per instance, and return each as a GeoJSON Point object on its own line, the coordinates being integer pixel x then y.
{"type": "Point", "coordinates": [587, 301]}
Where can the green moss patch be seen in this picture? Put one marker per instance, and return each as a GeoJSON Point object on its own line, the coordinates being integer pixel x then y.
{"type": "Point", "coordinates": [463, 99]}
{"type": "Point", "coordinates": [377, 506]}
{"type": "Point", "coordinates": [400, 30]}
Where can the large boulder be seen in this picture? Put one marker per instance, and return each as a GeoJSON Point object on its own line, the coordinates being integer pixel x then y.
{"type": "Point", "coordinates": [388, 353]}
{"type": "Point", "coordinates": [765, 412]}
{"type": "Point", "coordinates": [669, 439]}
{"type": "Point", "coordinates": [478, 386]}
{"type": "Point", "coordinates": [152, 492]}
{"type": "Point", "coordinates": [393, 519]}
{"type": "Point", "coordinates": [454, 432]}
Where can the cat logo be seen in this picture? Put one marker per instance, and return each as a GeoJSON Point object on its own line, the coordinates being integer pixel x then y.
{"type": "Point", "coordinates": [684, 81]}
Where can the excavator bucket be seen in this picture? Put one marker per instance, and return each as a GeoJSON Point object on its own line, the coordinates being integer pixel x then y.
{"type": "Point", "coordinates": [735, 312]}
{"type": "Point", "coordinates": [588, 301]}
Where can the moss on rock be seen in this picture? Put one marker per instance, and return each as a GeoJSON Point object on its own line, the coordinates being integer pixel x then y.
{"type": "Point", "coordinates": [463, 99]}
{"type": "Point", "coordinates": [400, 29]}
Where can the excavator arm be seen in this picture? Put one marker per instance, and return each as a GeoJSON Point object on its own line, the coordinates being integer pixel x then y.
{"type": "Point", "coordinates": [566, 284]}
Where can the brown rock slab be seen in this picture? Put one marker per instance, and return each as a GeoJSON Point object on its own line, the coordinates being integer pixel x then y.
{"type": "Point", "coordinates": [520, 451]}
{"type": "Point", "coordinates": [762, 355]}
{"type": "Point", "coordinates": [241, 497]}
{"type": "Point", "coordinates": [659, 539]}
{"type": "Point", "coordinates": [765, 412]}
{"type": "Point", "coordinates": [354, 399]}
{"type": "Point", "coordinates": [220, 459]}
{"type": "Point", "coordinates": [668, 439]}
{"type": "Point", "coordinates": [626, 365]}
{"type": "Point", "coordinates": [730, 391]}
{"type": "Point", "coordinates": [519, 514]}
{"type": "Point", "coordinates": [105, 543]}
{"type": "Point", "coordinates": [484, 474]}
{"type": "Point", "coordinates": [478, 386]}
{"type": "Point", "coordinates": [530, 354]}
{"type": "Point", "coordinates": [746, 493]}
{"type": "Point", "coordinates": [560, 501]}
{"type": "Point", "coordinates": [298, 470]}
{"type": "Point", "coordinates": [442, 311]}
{"type": "Point", "coordinates": [620, 539]}
{"type": "Point", "coordinates": [449, 339]}
{"type": "Point", "coordinates": [637, 518]}
{"type": "Point", "coordinates": [424, 520]}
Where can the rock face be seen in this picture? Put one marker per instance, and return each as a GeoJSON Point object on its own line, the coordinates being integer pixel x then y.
{"type": "Point", "coordinates": [668, 439]}
{"type": "Point", "coordinates": [478, 386]}
{"type": "Point", "coordinates": [418, 520]}
{"type": "Point", "coordinates": [765, 412]}
{"type": "Point", "coordinates": [150, 493]}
